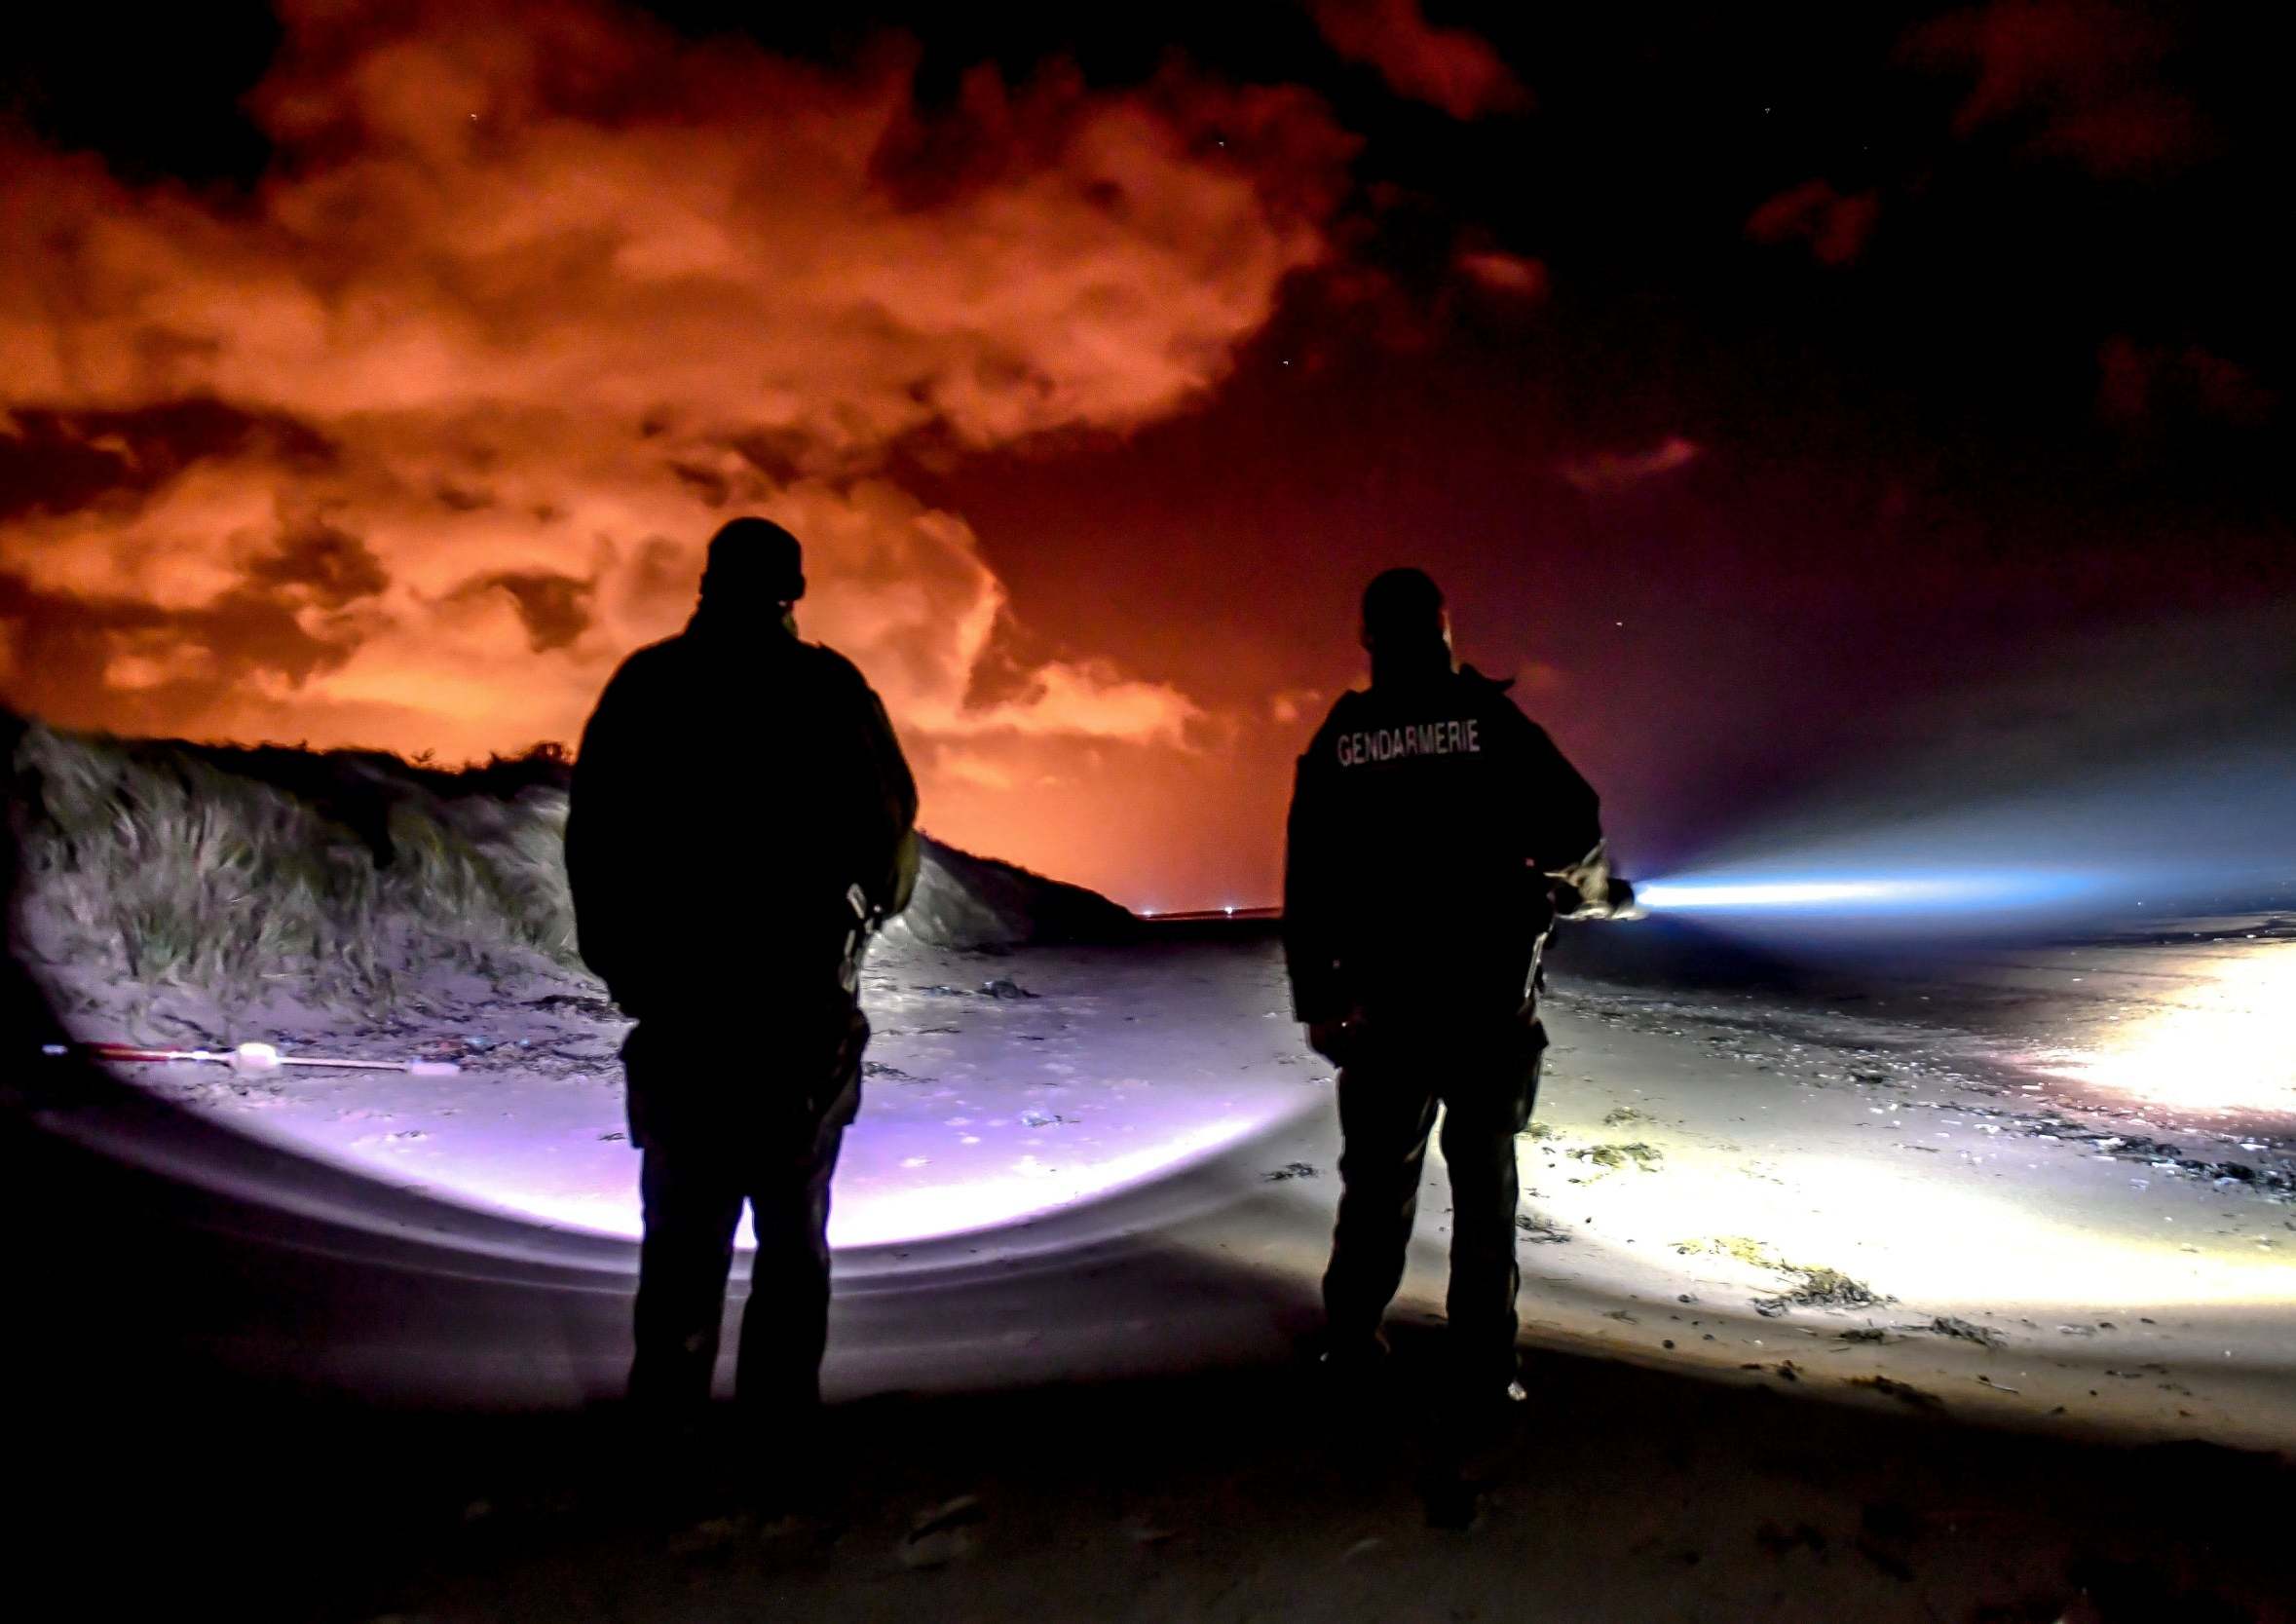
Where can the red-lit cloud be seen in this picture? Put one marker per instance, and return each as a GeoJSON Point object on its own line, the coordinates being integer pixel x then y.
{"type": "Point", "coordinates": [1509, 273]}
{"type": "Point", "coordinates": [1835, 227]}
{"type": "Point", "coordinates": [2141, 383]}
{"type": "Point", "coordinates": [412, 443]}
{"type": "Point", "coordinates": [1449, 68]}
{"type": "Point", "coordinates": [2076, 79]}
{"type": "Point", "coordinates": [1606, 472]}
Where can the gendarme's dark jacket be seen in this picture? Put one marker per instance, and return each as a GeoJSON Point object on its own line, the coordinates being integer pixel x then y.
{"type": "Point", "coordinates": [734, 783]}
{"type": "Point", "coordinates": [1427, 819]}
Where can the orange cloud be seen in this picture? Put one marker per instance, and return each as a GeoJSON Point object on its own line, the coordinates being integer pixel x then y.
{"type": "Point", "coordinates": [1294, 704]}
{"type": "Point", "coordinates": [1451, 68]}
{"type": "Point", "coordinates": [410, 444]}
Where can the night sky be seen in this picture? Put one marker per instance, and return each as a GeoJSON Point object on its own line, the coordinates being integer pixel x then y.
{"type": "Point", "coordinates": [1753, 379]}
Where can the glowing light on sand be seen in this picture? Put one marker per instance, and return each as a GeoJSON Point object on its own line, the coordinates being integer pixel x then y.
{"type": "Point", "coordinates": [2222, 1043]}
{"type": "Point", "coordinates": [889, 1215]}
{"type": "Point", "coordinates": [1903, 1230]}
{"type": "Point", "coordinates": [904, 1177]}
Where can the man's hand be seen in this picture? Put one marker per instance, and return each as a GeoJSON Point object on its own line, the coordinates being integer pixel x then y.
{"type": "Point", "coordinates": [1608, 896]}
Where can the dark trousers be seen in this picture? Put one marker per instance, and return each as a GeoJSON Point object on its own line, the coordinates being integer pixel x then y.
{"type": "Point", "coordinates": [702, 1165]}
{"type": "Point", "coordinates": [1485, 1079]}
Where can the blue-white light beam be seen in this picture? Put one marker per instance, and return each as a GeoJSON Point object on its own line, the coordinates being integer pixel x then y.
{"type": "Point", "coordinates": [1846, 894]}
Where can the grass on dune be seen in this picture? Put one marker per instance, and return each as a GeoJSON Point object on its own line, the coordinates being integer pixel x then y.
{"type": "Point", "coordinates": [219, 868]}
{"type": "Point", "coordinates": [349, 872]}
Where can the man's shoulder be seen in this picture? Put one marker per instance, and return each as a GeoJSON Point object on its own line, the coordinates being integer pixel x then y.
{"type": "Point", "coordinates": [824, 661]}
{"type": "Point", "coordinates": [1493, 696]}
{"type": "Point", "coordinates": [821, 668]}
{"type": "Point", "coordinates": [655, 659]}
{"type": "Point", "coordinates": [1462, 691]}
{"type": "Point", "coordinates": [1351, 703]}
{"type": "Point", "coordinates": [641, 670]}
{"type": "Point", "coordinates": [680, 659]}
{"type": "Point", "coordinates": [1468, 679]}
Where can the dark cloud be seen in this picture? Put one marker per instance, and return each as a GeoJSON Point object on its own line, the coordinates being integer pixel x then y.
{"type": "Point", "coordinates": [2147, 383]}
{"type": "Point", "coordinates": [1451, 68]}
{"type": "Point", "coordinates": [57, 460]}
{"type": "Point", "coordinates": [713, 486]}
{"type": "Point", "coordinates": [2077, 79]}
{"type": "Point", "coordinates": [928, 158]}
{"type": "Point", "coordinates": [1835, 227]}
{"type": "Point", "coordinates": [330, 567]}
{"type": "Point", "coordinates": [554, 609]}
{"type": "Point", "coordinates": [458, 498]}
{"type": "Point", "coordinates": [123, 664]}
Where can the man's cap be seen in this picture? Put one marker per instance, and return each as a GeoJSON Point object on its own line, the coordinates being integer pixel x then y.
{"type": "Point", "coordinates": [757, 559]}
{"type": "Point", "coordinates": [1402, 604]}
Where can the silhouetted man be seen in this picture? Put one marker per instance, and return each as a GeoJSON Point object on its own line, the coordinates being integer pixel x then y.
{"type": "Point", "coordinates": [741, 816]}
{"type": "Point", "coordinates": [1433, 829]}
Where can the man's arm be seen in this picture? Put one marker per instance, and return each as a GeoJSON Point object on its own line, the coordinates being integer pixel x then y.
{"type": "Point", "coordinates": [1563, 813]}
{"type": "Point", "coordinates": [602, 839]}
{"type": "Point", "coordinates": [1319, 994]}
{"type": "Point", "coordinates": [891, 881]}
{"type": "Point", "coordinates": [1563, 816]}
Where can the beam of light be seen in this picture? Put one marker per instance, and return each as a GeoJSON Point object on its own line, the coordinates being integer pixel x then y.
{"type": "Point", "coordinates": [1866, 893]}
{"type": "Point", "coordinates": [2222, 1042]}
{"type": "Point", "coordinates": [914, 1170]}
{"type": "Point", "coordinates": [887, 1213]}
{"type": "Point", "coordinates": [1680, 894]}
{"type": "Point", "coordinates": [879, 1201]}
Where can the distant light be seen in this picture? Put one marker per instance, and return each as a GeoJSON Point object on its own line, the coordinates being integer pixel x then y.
{"type": "Point", "coordinates": [1231, 907]}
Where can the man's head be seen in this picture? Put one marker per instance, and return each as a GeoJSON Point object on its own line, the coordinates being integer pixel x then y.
{"type": "Point", "coordinates": [1403, 612]}
{"type": "Point", "coordinates": [754, 566]}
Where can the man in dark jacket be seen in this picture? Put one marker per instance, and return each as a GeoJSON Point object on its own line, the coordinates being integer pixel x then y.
{"type": "Point", "coordinates": [1434, 828]}
{"type": "Point", "coordinates": [742, 818]}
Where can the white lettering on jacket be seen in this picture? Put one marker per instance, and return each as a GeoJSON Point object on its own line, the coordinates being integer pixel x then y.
{"type": "Point", "coordinates": [1418, 738]}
